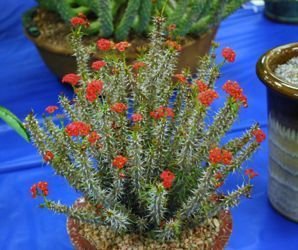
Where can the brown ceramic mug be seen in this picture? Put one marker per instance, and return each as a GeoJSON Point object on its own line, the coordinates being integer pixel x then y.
{"type": "Point", "coordinates": [282, 100]}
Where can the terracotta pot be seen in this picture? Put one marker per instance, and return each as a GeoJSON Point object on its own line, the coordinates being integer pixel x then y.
{"type": "Point", "coordinates": [282, 11]}
{"type": "Point", "coordinates": [219, 242]}
{"type": "Point", "coordinates": [282, 131]}
{"type": "Point", "coordinates": [60, 61]}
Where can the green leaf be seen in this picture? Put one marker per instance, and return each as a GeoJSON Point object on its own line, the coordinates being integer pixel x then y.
{"type": "Point", "coordinates": [14, 122]}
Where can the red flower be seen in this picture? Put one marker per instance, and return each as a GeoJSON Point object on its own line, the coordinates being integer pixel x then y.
{"type": "Point", "coordinates": [162, 112]}
{"type": "Point", "coordinates": [228, 54]}
{"type": "Point", "coordinates": [122, 46]}
{"type": "Point", "coordinates": [226, 157]}
{"type": "Point", "coordinates": [174, 45]}
{"type": "Point", "coordinates": [71, 78]}
{"type": "Point", "coordinates": [167, 178]}
{"type": "Point", "coordinates": [51, 109]}
{"type": "Point", "coordinates": [136, 117]}
{"type": "Point", "coordinates": [119, 161]}
{"type": "Point", "coordinates": [78, 21]}
{"type": "Point", "coordinates": [215, 155]}
{"type": "Point", "coordinates": [93, 137]}
{"type": "Point", "coordinates": [104, 44]}
{"type": "Point", "coordinates": [259, 135]}
{"type": "Point", "coordinates": [48, 156]}
{"type": "Point", "coordinates": [235, 91]}
{"type": "Point", "coordinates": [181, 78]}
{"type": "Point", "coordinates": [119, 107]}
{"type": "Point", "coordinates": [77, 129]}
{"type": "Point", "coordinates": [138, 65]}
{"type": "Point", "coordinates": [207, 97]}
{"type": "Point", "coordinates": [93, 90]}
{"type": "Point", "coordinates": [250, 173]}
{"type": "Point", "coordinates": [201, 86]}
{"type": "Point", "coordinates": [97, 65]}
{"type": "Point", "coordinates": [42, 186]}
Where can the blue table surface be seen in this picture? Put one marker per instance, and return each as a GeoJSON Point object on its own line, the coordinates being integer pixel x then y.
{"type": "Point", "coordinates": [28, 85]}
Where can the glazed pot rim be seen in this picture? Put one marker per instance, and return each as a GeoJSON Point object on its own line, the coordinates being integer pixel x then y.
{"type": "Point", "coordinates": [267, 75]}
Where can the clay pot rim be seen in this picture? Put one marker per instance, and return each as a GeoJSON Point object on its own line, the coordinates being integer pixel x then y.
{"type": "Point", "coordinates": [267, 76]}
{"type": "Point", "coordinates": [67, 51]}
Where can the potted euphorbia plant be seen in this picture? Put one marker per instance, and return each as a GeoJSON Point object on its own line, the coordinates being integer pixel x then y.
{"type": "Point", "coordinates": [194, 22]}
{"type": "Point", "coordinates": [138, 147]}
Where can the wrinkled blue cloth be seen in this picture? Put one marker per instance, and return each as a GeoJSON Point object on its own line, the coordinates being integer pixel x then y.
{"type": "Point", "coordinates": [26, 84]}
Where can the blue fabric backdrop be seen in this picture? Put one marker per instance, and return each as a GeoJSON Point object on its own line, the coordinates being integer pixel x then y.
{"type": "Point", "coordinates": [26, 84]}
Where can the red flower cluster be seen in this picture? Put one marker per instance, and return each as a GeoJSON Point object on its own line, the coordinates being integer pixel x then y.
{"type": "Point", "coordinates": [162, 112]}
{"type": "Point", "coordinates": [93, 90]}
{"type": "Point", "coordinates": [207, 97]}
{"type": "Point", "coordinates": [119, 107]}
{"type": "Point", "coordinates": [136, 117]}
{"type": "Point", "coordinates": [93, 137]}
{"type": "Point", "coordinates": [167, 178]}
{"type": "Point", "coordinates": [71, 78]}
{"type": "Point", "coordinates": [181, 78]}
{"type": "Point", "coordinates": [51, 109]}
{"type": "Point", "coordinates": [119, 161]}
{"type": "Point", "coordinates": [138, 65]}
{"type": "Point", "coordinates": [201, 85]}
{"type": "Point", "coordinates": [48, 156]}
{"type": "Point", "coordinates": [235, 91]}
{"type": "Point", "coordinates": [217, 155]}
{"type": "Point", "coordinates": [174, 45]}
{"type": "Point", "coordinates": [104, 44]}
{"type": "Point", "coordinates": [250, 173]}
{"type": "Point", "coordinates": [77, 129]}
{"type": "Point", "coordinates": [122, 46]}
{"type": "Point", "coordinates": [80, 20]}
{"type": "Point", "coordinates": [97, 65]}
{"type": "Point", "coordinates": [228, 54]}
{"type": "Point", "coordinates": [259, 135]}
{"type": "Point", "coordinates": [42, 186]}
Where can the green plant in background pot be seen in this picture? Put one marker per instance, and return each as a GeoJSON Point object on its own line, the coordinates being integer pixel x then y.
{"type": "Point", "coordinates": [195, 24]}
{"type": "Point", "coordinates": [140, 148]}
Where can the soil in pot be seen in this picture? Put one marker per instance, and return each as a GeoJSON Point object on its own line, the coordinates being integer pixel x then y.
{"type": "Point", "coordinates": [214, 235]}
{"type": "Point", "coordinates": [49, 33]}
{"type": "Point", "coordinates": [288, 71]}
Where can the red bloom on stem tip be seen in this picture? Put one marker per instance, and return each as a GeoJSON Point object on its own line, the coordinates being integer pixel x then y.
{"type": "Point", "coordinates": [162, 112]}
{"type": "Point", "coordinates": [51, 109]}
{"type": "Point", "coordinates": [250, 173]}
{"type": "Point", "coordinates": [207, 97]}
{"type": "Point", "coordinates": [93, 137]}
{"type": "Point", "coordinates": [97, 65]}
{"type": "Point", "coordinates": [215, 155]}
{"type": "Point", "coordinates": [40, 186]}
{"type": "Point", "coordinates": [228, 54]}
{"type": "Point", "coordinates": [104, 44]}
{"type": "Point", "coordinates": [226, 157]}
{"type": "Point", "coordinates": [119, 161]}
{"type": "Point", "coordinates": [71, 78]}
{"type": "Point", "coordinates": [181, 78]}
{"type": "Point", "coordinates": [174, 45]}
{"type": "Point", "coordinates": [235, 91]}
{"type": "Point", "coordinates": [48, 156]}
{"type": "Point", "coordinates": [119, 107]}
{"type": "Point", "coordinates": [77, 129]}
{"type": "Point", "coordinates": [93, 90]}
{"type": "Point", "coordinates": [138, 65]}
{"type": "Point", "coordinates": [122, 46]}
{"type": "Point", "coordinates": [78, 21]}
{"type": "Point", "coordinates": [259, 135]}
{"type": "Point", "coordinates": [167, 178]}
{"type": "Point", "coordinates": [136, 117]}
{"type": "Point", "coordinates": [201, 86]}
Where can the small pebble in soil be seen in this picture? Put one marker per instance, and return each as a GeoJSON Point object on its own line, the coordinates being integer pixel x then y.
{"type": "Point", "coordinates": [288, 71]}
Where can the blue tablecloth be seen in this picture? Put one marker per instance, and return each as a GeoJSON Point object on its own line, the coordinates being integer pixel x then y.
{"type": "Point", "coordinates": [26, 84]}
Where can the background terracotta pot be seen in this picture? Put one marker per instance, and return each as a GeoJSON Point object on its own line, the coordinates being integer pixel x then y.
{"type": "Point", "coordinates": [60, 61]}
{"type": "Point", "coordinates": [282, 131]}
{"type": "Point", "coordinates": [220, 240]}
